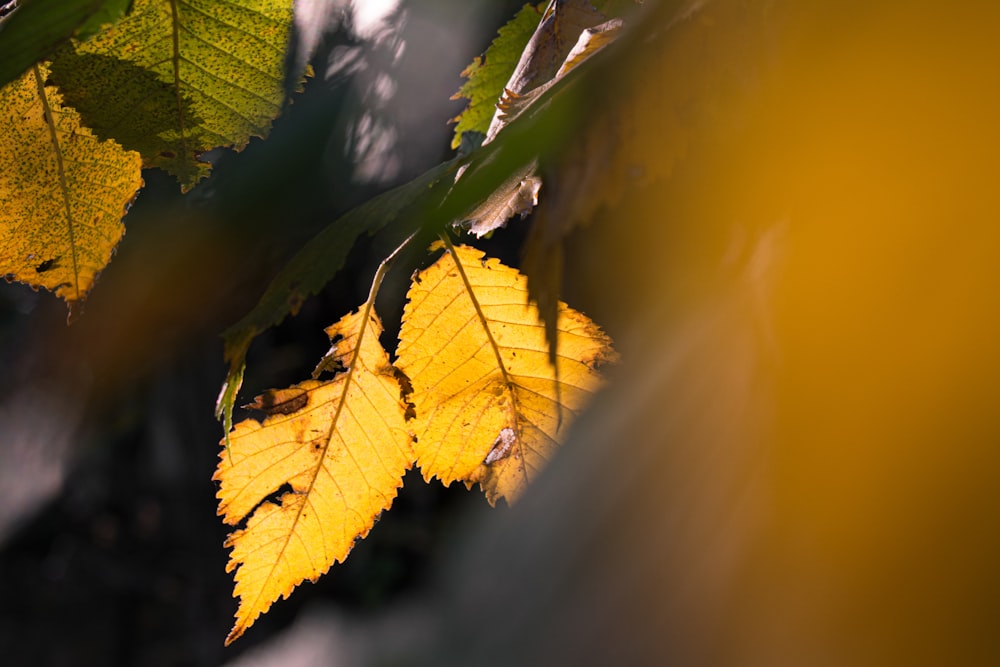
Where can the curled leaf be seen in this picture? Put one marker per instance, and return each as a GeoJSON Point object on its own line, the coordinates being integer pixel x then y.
{"type": "Point", "coordinates": [486, 75]}
{"type": "Point", "coordinates": [544, 54]}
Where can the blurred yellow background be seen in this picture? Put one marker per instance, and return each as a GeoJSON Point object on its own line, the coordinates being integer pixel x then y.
{"type": "Point", "coordinates": [800, 261]}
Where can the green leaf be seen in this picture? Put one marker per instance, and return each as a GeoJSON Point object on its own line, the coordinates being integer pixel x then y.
{"type": "Point", "coordinates": [176, 78]}
{"type": "Point", "coordinates": [110, 12]}
{"type": "Point", "coordinates": [37, 28]}
{"type": "Point", "coordinates": [486, 75]}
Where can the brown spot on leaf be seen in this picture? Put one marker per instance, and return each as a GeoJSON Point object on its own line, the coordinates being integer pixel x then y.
{"type": "Point", "coordinates": [279, 403]}
{"type": "Point", "coordinates": [405, 389]}
{"type": "Point", "coordinates": [47, 265]}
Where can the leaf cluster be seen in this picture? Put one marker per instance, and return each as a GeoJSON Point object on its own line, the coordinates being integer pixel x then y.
{"type": "Point", "coordinates": [481, 388]}
{"type": "Point", "coordinates": [94, 91]}
{"type": "Point", "coordinates": [483, 383]}
{"type": "Point", "coordinates": [471, 397]}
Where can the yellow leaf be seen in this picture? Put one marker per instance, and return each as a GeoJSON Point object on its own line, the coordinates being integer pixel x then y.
{"type": "Point", "coordinates": [63, 192]}
{"type": "Point", "coordinates": [490, 408]}
{"type": "Point", "coordinates": [340, 445]}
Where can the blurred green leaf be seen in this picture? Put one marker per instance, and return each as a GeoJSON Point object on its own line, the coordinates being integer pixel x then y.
{"type": "Point", "coordinates": [408, 207]}
{"type": "Point", "coordinates": [110, 12]}
{"type": "Point", "coordinates": [37, 28]}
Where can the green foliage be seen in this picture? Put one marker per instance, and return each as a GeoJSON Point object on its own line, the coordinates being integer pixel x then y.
{"type": "Point", "coordinates": [487, 74]}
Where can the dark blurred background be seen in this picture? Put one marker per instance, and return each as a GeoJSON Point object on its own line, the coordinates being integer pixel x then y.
{"type": "Point", "coordinates": [110, 549]}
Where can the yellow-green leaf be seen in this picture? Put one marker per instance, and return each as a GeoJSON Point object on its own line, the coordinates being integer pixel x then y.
{"type": "Point", "coordinates": [490, 408]}
{"type": "Point", "coordinates": [486, 75]}
{"type": "Point", "coordinates": [342, 448]}
{"type": "Point", "coordinates": [63, 192]}
{"type": "Point", "coordinates": [176, 78]}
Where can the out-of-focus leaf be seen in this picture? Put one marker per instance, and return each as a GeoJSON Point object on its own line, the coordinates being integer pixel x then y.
{"type": "Point", "coordinates": [174, 79]}
{"type": "Point", "coordinates": [34, 30]}
{"type": "Point", "coordinates": [490, 408]}
{"type": "Point", "coordinates": [109, 13]}
{"type": "Point", "coordinates": [616, 151]}
{"type": "Point", "coordinates": [63, 192]}
{"type": "Point", "coordinates": [342, 447]}
{"type": "Point", "coordinates": [409, 206]}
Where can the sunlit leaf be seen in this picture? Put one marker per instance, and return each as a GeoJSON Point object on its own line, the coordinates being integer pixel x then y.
{"type": "Point", "coordinates": [490, 408]}
{"type": "Point", "coordinates": [177, 78]}
{"type": "Point", "coordinates": [486, 75]}
{"type": "Point", "coordinates": [63, 192]}
{"type": "Point", "coordinates": [313, 476]}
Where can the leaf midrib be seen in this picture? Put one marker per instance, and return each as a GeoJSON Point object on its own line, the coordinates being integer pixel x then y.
{"type": "Point", "coordinates": [50, 122]}
{"type": "Point", "coordinates": [508, 382]}
{"type": "Point", "coordinates": [175, 26]}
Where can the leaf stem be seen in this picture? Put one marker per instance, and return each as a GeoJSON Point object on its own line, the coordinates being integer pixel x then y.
{"type": "Point", "coordinates": [383, 269]}
{"type": "Point", "coordinates": [508, 382]}
{"type": "Point", "coordinates": [380, 273]}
